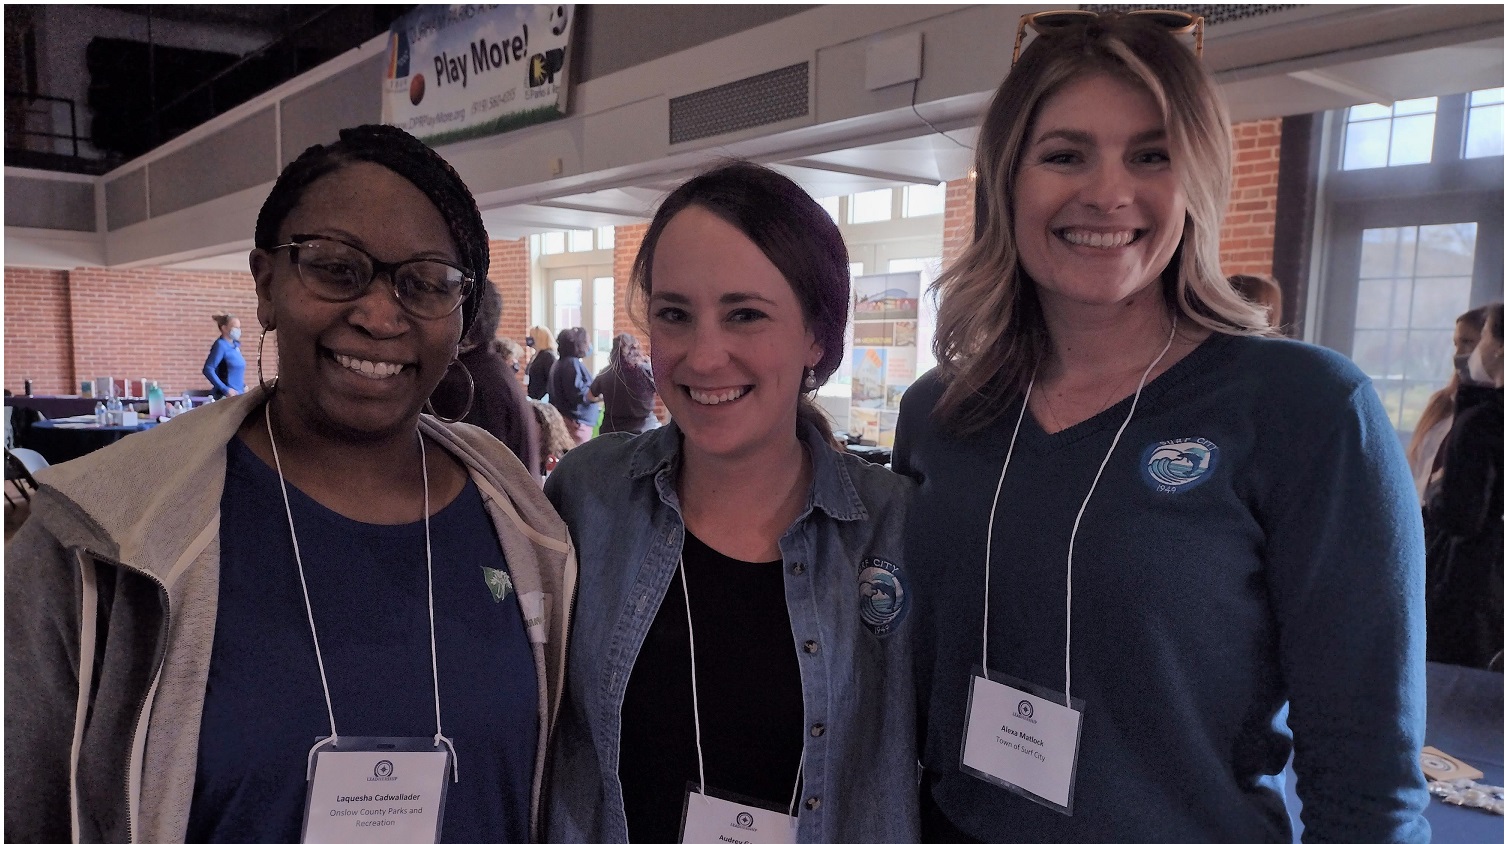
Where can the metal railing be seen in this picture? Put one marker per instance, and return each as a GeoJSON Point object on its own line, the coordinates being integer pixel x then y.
{"type": "Point", "coordinates": [28, 110]}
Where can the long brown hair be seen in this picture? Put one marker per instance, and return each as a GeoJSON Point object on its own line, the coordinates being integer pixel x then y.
{"type": "Point", "coordinates": [991, 334]}
{"type": "Point", "coordinates": [1441, 404]}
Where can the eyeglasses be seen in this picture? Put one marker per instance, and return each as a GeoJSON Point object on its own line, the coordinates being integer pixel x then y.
{"type": "Point", "coordinates": [1045, 23]}
{"type": "Point", "coordinates": [336, 271]}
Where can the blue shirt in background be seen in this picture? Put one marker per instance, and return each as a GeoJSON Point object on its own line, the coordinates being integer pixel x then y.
{"type": "Point", "coordinates": [226, 354]}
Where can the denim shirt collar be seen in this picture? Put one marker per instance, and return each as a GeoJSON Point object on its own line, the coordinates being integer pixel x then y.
{"type": "Point", "coordinates": [832, 491]}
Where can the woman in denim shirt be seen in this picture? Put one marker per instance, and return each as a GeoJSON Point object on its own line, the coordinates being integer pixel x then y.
{"type": "Point", "coordinates": [742, 517]}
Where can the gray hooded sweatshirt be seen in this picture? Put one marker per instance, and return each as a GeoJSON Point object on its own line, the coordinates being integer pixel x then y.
{"type": "Point", "coordinates": [110, 603]}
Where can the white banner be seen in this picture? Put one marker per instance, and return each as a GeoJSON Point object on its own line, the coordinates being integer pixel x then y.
{"type": "Point", "coordinates": [457, 72]}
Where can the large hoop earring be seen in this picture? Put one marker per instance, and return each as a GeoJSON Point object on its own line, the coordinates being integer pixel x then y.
{"type": "Point", "coordinates": [268, 387]}
{"type": "Point", "coordinates": [431, 409]}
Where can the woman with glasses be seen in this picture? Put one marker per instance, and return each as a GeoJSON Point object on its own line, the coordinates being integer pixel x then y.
{"type": "Point", "coordinates": [740, 662]}
{"type": "Point", "coordinates": [310, 611]}
{"type": "Point", "coordinates": [1166, 550]}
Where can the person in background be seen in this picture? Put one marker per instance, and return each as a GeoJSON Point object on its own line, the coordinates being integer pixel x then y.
{"type": "Point", "coordinates": [497, 403]}
{"type": "Point", "coordinates": [626, 388]}
{"type": "Point", "coordinates": [556, 440]}
{"type": "Point", "coordinates": [744, 610]}
{"type": "Point", "coordinates": [225, 368]}
{"type": "Point", "coordinates": [314, 558]}
{"type": "Point", "coordinates": [569, 381]}
{"type": "Point", "coordinates": [1264, 291]}
{"type": "Point", "coordinates": [1465, 514]}
{"type": "Point", "coordinates": [512, 354]}
{"type": "Point", "coordinates": [1166, 550]}
{"type": "Point", "coordinates": [538, 373]}
{"type": "Point", "coordinates": [1425, 450]}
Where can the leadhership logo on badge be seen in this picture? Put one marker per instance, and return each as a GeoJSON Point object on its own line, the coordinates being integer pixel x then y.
{"type": "Point", "coordinates": [884, 598]}
{"type": "Point", "coordinates": [382, 772]}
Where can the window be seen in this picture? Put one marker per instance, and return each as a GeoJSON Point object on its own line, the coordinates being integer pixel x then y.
{"type": "Point", "coordinates": [1414, 281]}
{"type": "Point", "coordinates": [553, 243]}
{"type": "Point", "coordinates": [873, 206]}
{"type": "Point", "coordinates": [567, 303]}
{"type": "Point", "coordinates": [831, 205]}
{"type": "Point", "coordinates": [1483, 124]}
{"type": "Point", "coordinates": [1390, 136]}
{"type": "Point", "coordinates": [923, 200]}
{"type": "Point", "coordinates": [606, 237]}
{"type": "Point", "coordinates": [580, 240]}
{"type": "Point", "coordinates": [856, 269]}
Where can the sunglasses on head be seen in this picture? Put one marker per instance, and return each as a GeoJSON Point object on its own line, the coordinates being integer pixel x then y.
{"type": "Point", "coordinates": [1047, 23]}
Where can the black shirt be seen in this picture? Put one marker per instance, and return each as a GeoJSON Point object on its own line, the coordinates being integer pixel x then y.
{"type": "Point", "coordinates": [750, 702]}
{"type": "Point", "coordinates": [538, 374]}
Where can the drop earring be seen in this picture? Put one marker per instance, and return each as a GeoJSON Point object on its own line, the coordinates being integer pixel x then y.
{"type": "Point", "coordinates": [810, 380]}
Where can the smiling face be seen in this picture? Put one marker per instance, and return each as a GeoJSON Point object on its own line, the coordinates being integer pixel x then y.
{"type": "Point", "coordinates": [362, 368]}
{"type": "Point", "coordinates": [729, 342]}
{"type": "Point", "coordinates": [1098, 208]}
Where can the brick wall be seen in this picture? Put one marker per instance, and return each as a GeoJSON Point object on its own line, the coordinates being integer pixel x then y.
{"type": "Point", "coordinates": [38, 343]}
{"type": "Point", "coordinates": [960, 218]}
{"type": "Point", "coordinates": [509, 270]}
{"type": "Point", "coordinates": [1249, 231]}
{"type": "Point", "coordinates": [627, 242]}
{"type": "Point", "coordinates": [62, 327]}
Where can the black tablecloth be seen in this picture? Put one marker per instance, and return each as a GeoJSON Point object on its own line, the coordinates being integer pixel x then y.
{"type": "Point", "coordinates": [61, 444]}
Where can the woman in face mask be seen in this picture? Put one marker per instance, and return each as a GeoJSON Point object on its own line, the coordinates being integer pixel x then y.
{"type": "Point", "coordinates": [225, 367]}
{"type": "Point", "coordinates": [1425, 451]}
{"type": "Point", "coordinates": [1464, 516]}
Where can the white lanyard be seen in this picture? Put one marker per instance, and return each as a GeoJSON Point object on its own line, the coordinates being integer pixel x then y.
{"type": "Point", "coordinates": [333, 740]}
{"type": "Point", "coordinates": [697, 729]}
{"type": "Point", "coordinates": [1071, 549]}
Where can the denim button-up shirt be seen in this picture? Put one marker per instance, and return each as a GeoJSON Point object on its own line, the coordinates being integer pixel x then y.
{"type": "Point", "coordinates": [850, 602]}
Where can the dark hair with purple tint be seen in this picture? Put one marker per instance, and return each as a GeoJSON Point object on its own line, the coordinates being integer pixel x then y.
{"type": "Point", "coordinates": [793, 231]}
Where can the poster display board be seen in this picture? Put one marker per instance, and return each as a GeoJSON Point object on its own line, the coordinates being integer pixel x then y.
{"type": "Point", "coordinates": [465, 71]}
{"type": "Point", "coordinates": [884, 352]}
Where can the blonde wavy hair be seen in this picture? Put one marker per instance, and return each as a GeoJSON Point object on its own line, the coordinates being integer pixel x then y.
{"type": "Point", "coordinates": [991, 334]}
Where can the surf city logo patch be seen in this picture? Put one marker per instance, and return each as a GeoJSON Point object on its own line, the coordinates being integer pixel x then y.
{"type": "Point", "coordinates": [884, 598]}
{"type": "Point", "coordinates": [1179, 465]}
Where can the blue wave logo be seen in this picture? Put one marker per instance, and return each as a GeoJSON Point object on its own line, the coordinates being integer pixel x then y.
{"type": "Point", "coordinates": [884, 598]}
{"type": "Point", "coordinates": [1179, 465]}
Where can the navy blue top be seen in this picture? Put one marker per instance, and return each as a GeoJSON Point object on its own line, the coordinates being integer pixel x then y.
{"type": "Point", "coordinates": [226, 353]}
{"type": "Point", "coordinates": [263, 705]}
{"type": "Point", "coordinates": [569, 391]}
{"type": "Point", "coordinates": [1248, 580]}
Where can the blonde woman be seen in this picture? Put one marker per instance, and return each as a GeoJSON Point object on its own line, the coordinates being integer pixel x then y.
{"type": "Point", "coordinates": [1165, 549]}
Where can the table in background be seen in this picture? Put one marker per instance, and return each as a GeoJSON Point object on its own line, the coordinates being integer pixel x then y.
{"type": "Point", "coordinates": [60, 441]}
{"type": "Point", "coordinates": [1464, 721]}
{"type": "Point", "coordinates": [54, 407]}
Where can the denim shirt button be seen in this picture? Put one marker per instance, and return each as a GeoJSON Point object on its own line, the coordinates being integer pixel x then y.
{"type": "Point", "coordinates": [811, 647]}
{"type": "Point", "coordinates": [812, 803]}
{"type": "Point", "coordinates": [817, 730]}
{"type": "Point", "coordinates": [798, 568]}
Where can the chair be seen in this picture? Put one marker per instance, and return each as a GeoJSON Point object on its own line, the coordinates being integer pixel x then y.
{"type": "Point", "coordinates": [20, 463]}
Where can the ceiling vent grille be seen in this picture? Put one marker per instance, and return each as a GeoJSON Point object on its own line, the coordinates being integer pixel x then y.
{"type": "Point", "coordinates": [1212, 14]}
{"type": "Point", "coordinates": [770, 97]}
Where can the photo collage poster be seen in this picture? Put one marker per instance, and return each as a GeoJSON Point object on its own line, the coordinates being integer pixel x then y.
{"type": "Point", "coordinates": [884, 352]}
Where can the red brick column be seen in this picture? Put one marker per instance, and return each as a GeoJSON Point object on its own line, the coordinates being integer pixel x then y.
{"type": "Point", "coordinates": [960, 218]}
{"type": "Point", "coordinates": [509, 270]}
{"type": "Point", "coordinates": [1249, 229]}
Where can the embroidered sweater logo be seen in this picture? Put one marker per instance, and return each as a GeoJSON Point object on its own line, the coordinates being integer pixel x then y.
{"type": "Point", "coordinates": [1179, 465]}
{"type": "Point", "coordinates": [884, 599]}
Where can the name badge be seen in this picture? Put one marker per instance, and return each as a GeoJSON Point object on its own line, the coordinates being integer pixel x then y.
{"type": "Point", "coordinates": [1020, 739]}
{"type": "Point", "coordinates": [713, 820]}
{"type": "Point", "coordinates": [377, 791]}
